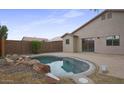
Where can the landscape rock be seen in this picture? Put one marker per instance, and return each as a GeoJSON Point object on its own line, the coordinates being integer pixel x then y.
{"type": "Point", "coordinates": [9, 61]}
{"type": "Point", "coordinates": [8, 55]}
{"type": "Point", "coordinates": [27, 61]}
{"type": "Point", "coordinates": [50, 80]}
{"type": "Point", "coordinates": [26, 58]}
{"type": "Point", "coordinates": [2, 61]}
{"type": "Point", "coordinates": [41, 68]}
{"type": "Point", "coordinates": [12, 57]}
{"type": "Point", "coordinates": [33, 61]}
{"type": "Point", "coordinates": [19, 61]}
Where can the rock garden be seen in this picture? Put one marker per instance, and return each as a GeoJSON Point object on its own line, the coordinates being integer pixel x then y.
{"type": "Point", "coordinates": [19, 69]}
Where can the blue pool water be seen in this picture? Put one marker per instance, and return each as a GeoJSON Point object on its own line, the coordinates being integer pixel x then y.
{"type": "Point", "coordinates": [63, 66]}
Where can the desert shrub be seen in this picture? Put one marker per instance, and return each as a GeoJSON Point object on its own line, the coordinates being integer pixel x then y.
{"type": "Point", "coordinates": [36, 46]}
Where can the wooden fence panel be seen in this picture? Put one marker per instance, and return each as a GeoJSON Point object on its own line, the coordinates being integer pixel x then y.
{"type": "Point", "coordinates": [24, 47]}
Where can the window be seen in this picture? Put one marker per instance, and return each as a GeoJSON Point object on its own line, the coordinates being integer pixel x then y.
{"type": "Point", "coordinates": [67, 41]}
{"type": "Point", "coordinates": [116, 40]}
{"type": "Point", "coordinates": [109, 41]}
{"type": "Point", "coordinates": [109, 15]}
{"type": "Point", "coordinates": [113, 40]}
{"type": "Point", "coordinates": [103, 17]}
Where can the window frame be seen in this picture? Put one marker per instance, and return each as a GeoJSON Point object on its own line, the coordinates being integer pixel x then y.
{"type": "Point", "coordinates": [109, 41]}
{"type": "Point", "coordinates": [109, 15]}
{"type": "Point", "coordinates": [67, 41]}
{"type": "Point", "coordinates": [103, 17]}
{"type": "Point", "coordinates": [114, 44]}
{"type": "Point", "coordinates": [112, 40]}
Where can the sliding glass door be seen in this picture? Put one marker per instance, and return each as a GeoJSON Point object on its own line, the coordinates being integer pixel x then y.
{"type": "Point", "coordinates": [87, 45]}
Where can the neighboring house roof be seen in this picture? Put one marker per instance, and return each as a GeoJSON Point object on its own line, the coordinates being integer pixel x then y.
{"type": "Point", "coordinates": [108, 10]}
{"type": "Point", "coordinates": [56, 39]}
{"type": "Point", "coordinates": [68, 34]}
{"type": "Point", "coordinates": [33, 39]}
{"type": "Point", "coordinates": [65, 35]}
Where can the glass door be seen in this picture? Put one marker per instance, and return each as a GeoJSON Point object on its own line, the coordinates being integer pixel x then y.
{"type": "Point", "coordinates": [87, 45]}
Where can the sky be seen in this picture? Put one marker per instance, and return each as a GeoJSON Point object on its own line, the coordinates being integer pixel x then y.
{"type": "Point", "coordinates": [44, 23]}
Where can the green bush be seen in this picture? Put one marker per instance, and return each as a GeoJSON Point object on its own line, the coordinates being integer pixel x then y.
{"type": "Point", "coordinates": [36, 46]}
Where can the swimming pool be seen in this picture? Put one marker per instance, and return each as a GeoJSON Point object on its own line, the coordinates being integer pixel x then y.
{"type": "Point", "coordinates": [64, 66]}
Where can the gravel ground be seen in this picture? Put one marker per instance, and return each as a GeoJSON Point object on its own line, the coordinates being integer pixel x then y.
{"type": "Point", "coordinates": [24, 74]}
{"type": "Point", "coordinates": [19, 68]}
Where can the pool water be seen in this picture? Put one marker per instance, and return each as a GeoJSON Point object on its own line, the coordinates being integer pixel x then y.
{"type": "Point", "coordinates": [63, 66]}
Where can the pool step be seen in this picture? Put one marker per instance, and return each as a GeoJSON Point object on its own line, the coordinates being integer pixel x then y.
{"type": "Point", "coordinates": [82, 80]}
{"type": "Point", "coordinates": [52, 76]}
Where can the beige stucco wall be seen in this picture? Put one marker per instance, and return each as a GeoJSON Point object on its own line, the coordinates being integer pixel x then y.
{"type": "Point", "coordinates": [75, 44]}
{"type": "Point", "coordinates": [68, 47]}
{"type": "Point", "coordinates": [102, 28]}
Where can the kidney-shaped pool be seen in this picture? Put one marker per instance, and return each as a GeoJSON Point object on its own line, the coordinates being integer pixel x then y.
{"type": "Point", "coordinates": [64, 66]}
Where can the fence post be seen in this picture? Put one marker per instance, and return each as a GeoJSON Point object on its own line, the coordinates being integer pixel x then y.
{"type": "Point", "coordinates": [0, 48]}
{"type": "Point", "coordinates": [3, 47]}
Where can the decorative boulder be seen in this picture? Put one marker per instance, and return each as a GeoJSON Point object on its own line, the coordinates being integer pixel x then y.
{"type": "Point", "coordinates": [26, 58]}
{"type": "Point", "coordinates": [33, 62]}
{"type": "Point", "coordinates": [8, 55]}
{"type": "Point", "coordinates": [50, 80]}
{"type": "Point", "coordinates": [9, 61]}
{"type": "Point", "coordinates": [19, 61]}
{"type": "Point", "coordinates": [41, 68]}
{"type": "Point", "coordinates": [2, 61]}
{"type": "Point", "coordinates": [27, 61]}
{"type": "Point", "coordinates": [14, 57]}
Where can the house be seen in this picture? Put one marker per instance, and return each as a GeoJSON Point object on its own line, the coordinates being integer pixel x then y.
{"type": "Point", "coordinates": [58, 38]}
{"type": "Point", "coordinates": [34, 39]}
{"type": "Point", "coordinates": [102, 34]}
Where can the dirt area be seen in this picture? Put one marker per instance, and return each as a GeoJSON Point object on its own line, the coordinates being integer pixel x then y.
{"type": "Point", "coordinates": [23, 74]}
{"type": "Point", "coordinates": [99, 78]}
{"type": "Point", "coordinates": [105, 79]}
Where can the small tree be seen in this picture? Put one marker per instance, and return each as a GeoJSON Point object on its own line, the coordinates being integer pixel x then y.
{"type": "Point", "coordinates": [3, 37]}
{"type": "Point", "coordinates": [36, 46]}
{"type": "Point", "coordinates": [3, 32]}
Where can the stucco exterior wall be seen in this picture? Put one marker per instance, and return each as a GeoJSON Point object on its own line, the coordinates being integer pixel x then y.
{"type": "Point", "coordinates": [75, 44]}
{"type": "Point", "coordinates": [103, 28]}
